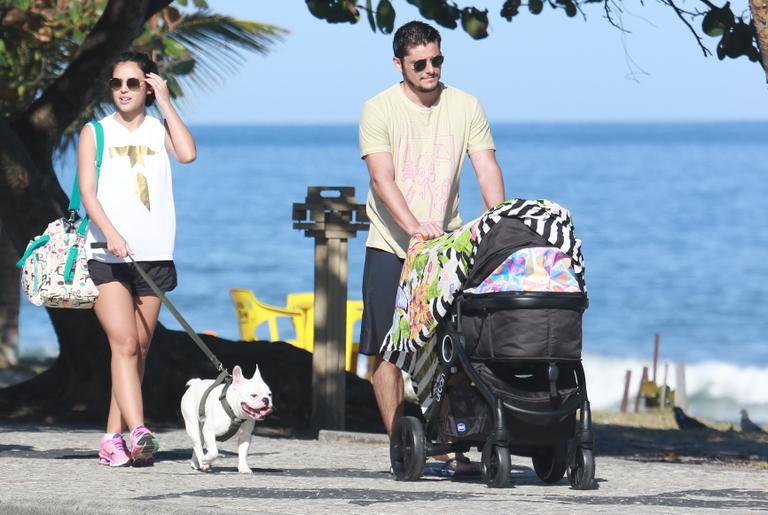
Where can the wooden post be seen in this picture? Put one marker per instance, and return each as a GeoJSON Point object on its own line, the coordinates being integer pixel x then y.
{"type": "Point", "coordinates": [625, 397]}
{"type": "Point", "coordinates": [663, 402]}
{"type": "Point", "coordinates": [328, 382]}
{"type": "Point", "coordinates": [643, 379]}
{"type": "Point", "coordinates": [655, 354]}
{"type": "Point", "coordinates": [681, 397]}
{"type": "Point", "coordinates": [331, 220]}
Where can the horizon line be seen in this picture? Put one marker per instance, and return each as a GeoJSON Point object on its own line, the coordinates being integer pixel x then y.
{"type": "Point", "coordinates": [492, 123]}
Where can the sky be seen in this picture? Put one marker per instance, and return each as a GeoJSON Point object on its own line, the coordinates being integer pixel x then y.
{"type": "Point", "coordinates": [546, 68]}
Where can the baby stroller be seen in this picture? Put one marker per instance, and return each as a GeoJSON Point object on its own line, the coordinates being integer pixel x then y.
{"type": "Point", "coordinates": [508, 376]}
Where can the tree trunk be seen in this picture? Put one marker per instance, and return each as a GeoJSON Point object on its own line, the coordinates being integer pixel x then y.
{"type": "Point", "coordinates": [9, 303]}
{"type": "Point", "coordinates": [759, 9]}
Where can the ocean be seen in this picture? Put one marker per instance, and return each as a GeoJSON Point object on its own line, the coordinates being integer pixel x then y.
{"type": "Point", "coordinates": [672, 217]}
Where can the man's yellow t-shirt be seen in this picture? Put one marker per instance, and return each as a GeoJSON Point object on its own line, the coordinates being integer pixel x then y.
{"type": "Point", "coordinates": [428, 147]}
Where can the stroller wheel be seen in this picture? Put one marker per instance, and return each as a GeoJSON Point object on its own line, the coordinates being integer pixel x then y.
{"type": "Point", "coordinates": [581, 473]}
{"type": "Point", "coordinates": [495, 465]}
{"type": "Point", "coordinates": [551, 463]}
{"type": "Point", "coordinates": [407, 449]}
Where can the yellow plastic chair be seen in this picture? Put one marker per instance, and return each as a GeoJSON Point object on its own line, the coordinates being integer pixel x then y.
{"type": "Point", "coordinates": [305, 303]}
{"type": "Point", "coordinates": [251, 313]}
{"type": "Point", "coordinates": [305, 327]}
{"type": "Point", "coordinates": [354, 315]}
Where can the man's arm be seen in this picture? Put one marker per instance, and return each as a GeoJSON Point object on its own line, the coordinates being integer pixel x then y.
{"type": "Point", "coordinates": [489, 177]}
{"type": "Point", "coordinates": [382, 171]}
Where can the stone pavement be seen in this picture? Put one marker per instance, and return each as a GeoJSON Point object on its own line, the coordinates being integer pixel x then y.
{"type": "Point", "coordinates": [46, 470]}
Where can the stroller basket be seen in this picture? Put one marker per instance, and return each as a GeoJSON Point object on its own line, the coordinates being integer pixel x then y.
{"type": "Point", "coordinates": [513, 326]}
{"type": "Point", "coordinates": [534, 415]}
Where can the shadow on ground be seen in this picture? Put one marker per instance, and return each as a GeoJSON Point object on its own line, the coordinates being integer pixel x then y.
{"type": "Point", "coordinates": [675, 445]}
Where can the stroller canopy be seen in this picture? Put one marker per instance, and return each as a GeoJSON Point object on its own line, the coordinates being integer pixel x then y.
{"type": "Point", "coordinates": [530, 263]}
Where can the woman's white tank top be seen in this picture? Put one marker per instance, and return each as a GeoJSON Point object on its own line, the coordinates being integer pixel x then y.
{"type": "Point", "coordinates": [136, 191]}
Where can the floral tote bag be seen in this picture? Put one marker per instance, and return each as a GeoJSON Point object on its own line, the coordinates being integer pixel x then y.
{"type": "Point", "coordinates": [54, 267]}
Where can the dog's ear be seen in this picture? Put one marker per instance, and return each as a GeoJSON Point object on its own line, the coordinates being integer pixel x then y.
{"type": "Point", "coordinates": [256, 373]}
{"type": "Point", "coordinates": [237, 376]}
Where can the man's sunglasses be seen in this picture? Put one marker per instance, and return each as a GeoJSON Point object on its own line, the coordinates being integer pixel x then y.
{"type": "Point", "coordinates": [132, 83]}
{"type": "Point", "coordinates": [421, 64]}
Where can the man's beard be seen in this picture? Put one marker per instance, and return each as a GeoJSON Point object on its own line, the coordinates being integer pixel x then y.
{"type": "Point", "coordinates": [420, 88]}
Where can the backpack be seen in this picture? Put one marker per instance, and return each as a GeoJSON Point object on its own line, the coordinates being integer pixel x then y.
{"type": "Point", "coordinates": [54, 266]}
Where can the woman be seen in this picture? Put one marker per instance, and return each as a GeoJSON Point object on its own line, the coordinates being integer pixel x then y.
{"type": "Point", "coordinates": [130, 205]}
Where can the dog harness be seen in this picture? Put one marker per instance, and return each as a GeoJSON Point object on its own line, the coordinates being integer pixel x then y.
{"type": "Point", "coordinates": [234, 421]}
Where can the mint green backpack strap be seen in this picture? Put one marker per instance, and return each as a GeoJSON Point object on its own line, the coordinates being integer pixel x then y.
{"type": "Point", "coordinates": [76, 192]}
{"type": "Point", "coordinates": [33, 246]}
{"type": "Point", "coordinates": [74, 204]}
{"type": "Point", "coordinates": [74, 198]}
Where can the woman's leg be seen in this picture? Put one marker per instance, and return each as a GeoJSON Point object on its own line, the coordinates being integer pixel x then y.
{"type": "Point", "coordinates": [146, 311]}
{"type": "Point", "coordinates": [115, 311]}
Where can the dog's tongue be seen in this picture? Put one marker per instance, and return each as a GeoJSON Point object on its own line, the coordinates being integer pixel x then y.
{"type": "Point", "coordinates": [258, 413]}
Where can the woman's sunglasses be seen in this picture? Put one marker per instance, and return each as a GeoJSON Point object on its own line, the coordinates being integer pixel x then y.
{"type": "Point", "coordinates": [132, 83]}
{"type": "Point", "coordinates": [421, 64]}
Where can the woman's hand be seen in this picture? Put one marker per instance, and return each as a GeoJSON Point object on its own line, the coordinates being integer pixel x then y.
{"type": "Point", "coordinates": [117, 246]}
{"type": "Point", "coordinates": [160, 87]}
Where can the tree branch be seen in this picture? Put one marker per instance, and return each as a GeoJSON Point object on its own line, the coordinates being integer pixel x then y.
{"type": "Point", "coordinates": [709, 4]}
{"type": "Point", "coordinates": [609, 15]}
{"type": "Point", "coordinates": [155, 6]}
{"type": "Point", "coordinates": [680, 13]}
{"type": "Point", "coordinates": [43, 123]}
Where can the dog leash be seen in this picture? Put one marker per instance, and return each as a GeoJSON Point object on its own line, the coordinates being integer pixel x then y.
{"type": "Point", "coordinates": [175, 312]}
{"type": "Point", "coordinates": [224, 376]}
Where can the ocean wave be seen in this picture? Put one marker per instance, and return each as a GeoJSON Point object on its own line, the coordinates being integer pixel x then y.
{"type": "Point", "coordinates": [716, 390]}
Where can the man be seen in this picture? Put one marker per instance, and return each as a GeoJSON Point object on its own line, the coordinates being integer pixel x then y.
{"type": "Point", "coordinates": [413, 138]}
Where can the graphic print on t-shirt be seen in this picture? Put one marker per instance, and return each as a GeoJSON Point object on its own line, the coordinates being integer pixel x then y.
{"type": "Point", "coordinates": [136, 155]}
{"type": "Point", "coordinates": [427, 174]}
{"type": "Point", "coordinates": [142, 189]}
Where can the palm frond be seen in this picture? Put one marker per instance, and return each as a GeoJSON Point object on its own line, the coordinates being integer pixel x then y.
{"type": "Point", "coordinates": [216, 44]}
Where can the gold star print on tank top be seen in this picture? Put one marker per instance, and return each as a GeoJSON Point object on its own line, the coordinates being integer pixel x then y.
{"type": "Point", "coordinates": [136, 154]}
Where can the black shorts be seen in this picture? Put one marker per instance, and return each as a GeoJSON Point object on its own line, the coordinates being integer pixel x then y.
{"type": "Point", "coordinates": [163, 273]}
{"type": "Point", "coordinates": [381, 277]}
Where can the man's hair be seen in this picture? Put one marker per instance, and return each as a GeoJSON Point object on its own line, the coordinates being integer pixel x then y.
{"type": "Point", "coordinates": [414, 33]}
{"type": "Point", "coordinates": [144, 62]}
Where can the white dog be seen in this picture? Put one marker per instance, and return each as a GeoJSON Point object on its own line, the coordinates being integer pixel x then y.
{"type": "Point", "coordinates": [248, 400]}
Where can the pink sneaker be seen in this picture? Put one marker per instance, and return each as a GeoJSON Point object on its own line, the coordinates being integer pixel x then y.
{"type": "Point", "coordinates": [143, 446]}
{"type": "Point", "coordinates": [113, 452]}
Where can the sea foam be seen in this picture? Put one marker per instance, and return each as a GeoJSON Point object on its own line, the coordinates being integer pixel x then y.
{"type": "Point", "coordinates": [716, 390]}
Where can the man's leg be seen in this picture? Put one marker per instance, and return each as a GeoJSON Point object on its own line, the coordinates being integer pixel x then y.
{"type": "Point", "coordinates": [381, 275]}
{"type": "Point", "coordinates": [387, 382]}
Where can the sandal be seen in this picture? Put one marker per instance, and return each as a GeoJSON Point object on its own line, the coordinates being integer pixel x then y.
{"type": "Point", "coordinates": [460, 466]}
